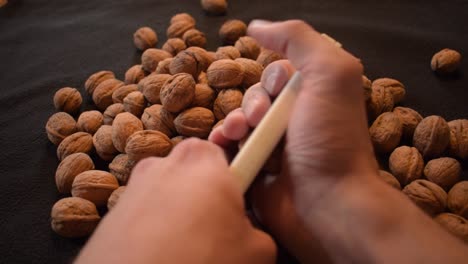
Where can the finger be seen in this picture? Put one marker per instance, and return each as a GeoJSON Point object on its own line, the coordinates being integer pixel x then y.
{"type": "Point", "coordinates": [276, 75]}
{"type": "Point", "coordinates": [194, 149]}
{"type": "Point", "coordinates": [141, 170]}
{"type": "Point", "coordinates": [255, 104]}
{"type": "Point", "coordinates": [235, 126]}
{"type": "Point", "coordinates": [263, 248]}
{"type": "Point", "coordinates": [217, 137]}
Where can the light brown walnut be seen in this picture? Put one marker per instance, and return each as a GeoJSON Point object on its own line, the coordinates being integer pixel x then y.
{"type": "Point", "coordinates": [134, 74]}
{"type": "Point", "coordinates": [102, 96]}
{"type": "Point", "coordinates": [145, 38]}
{"type": "Point", "coordinates": [75, 143]}
{"type": "Point", "coordinates": [248, 47]}
{"type": "Point", "coordinates": [396, 88]}
{"type": "Point", "coordinates": [381, 101]}
{"type": "Point", "coordinates": [178, 92]}
{"type": "Point", "coordinates": [223, 74]}
{"type": "Point", "coordinates": [102, 141]}
{"type": "Point", "coordinates": [446, 61]}
{"type": "Point", "coordinates": [431, 136]}
{"type": "Point", "coordinates": [97, 78]}
{"type": "Point", "coordinates": [444, 172]}
{"type": "Point", "coordinates": [151, 57]}
{"type": "Point", "coordinates": [389, 179]}
{"type": "Point", "coordinates": [231, 31]}
{"type": "Point", "coordinates": [215, 7]}
{"type": "Point", "coordinates": [182, 17]}
{"type": "Point", "coordinates": [121, 167]}
{"type": "Point", "coordinates": [125, 124]}
{"type": "Point", "coordinates": [252, 72]}
{"type": "Point", "coordinates": [163, 66]}
{"type": "Point", "coordinates": [204, 96]}
{"type": "Point", "coordinates": [71, 166]}
{"type": "Point", "coordinates": [174, 46]}
{"type": "Point", "coordinates": [59, 126]}
{"type": "Point", "coordinates": [385, 132]}
{"type": "Point", "coordinates": [147, 143]}
{"type": "Point", "coordinates": [178, 28]}
{"type": "Point", "coordinates": [90, 121]}
{"type": "Point", "coordinates": [195, 122]}
{"type": "Point", "coordinates": [194, 37]}
{"type": "Point", "coordinates": [267, 56]}
{"type": "Point", "coordinates": [454, 224]}
{"type": "Point", "coordinates": [111, 112]}
{"type": "Point", "coordinates": [95, 186]}
{"type": "Point", "coordinates": [458, 145]}
{"type": "Point", "coordinates": [68, 100]}
{"type": "Point", "coordinates": [458, 199]}
{"type": "Point", "coordinates": [157, 118]}
{"type": "Point", "coordinates": [227, 52]}
{"type": "Point", "coordinates": [135, 103]}
{"type": "Point", "coordinates": [409, 119]}
{"type": "Point", "coordinates": [151, 87]}
{"type": "Point", "coordinates": [406, 164]}
{"type": "Point", "coordinates": [428, 196]}
{"type": "Point", "coordinates": [226, 101]}
{"type": "Point", "coordinates": [193, 60]}
{"type": "Point", "coordinates": [122, 92]}
{"type": "Point", "coordinates": [114, 197]}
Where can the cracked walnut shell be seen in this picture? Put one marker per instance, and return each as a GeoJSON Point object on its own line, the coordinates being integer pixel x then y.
{"type": "Point", "coordinates": [431, 136]}
{"type": "Point", "coordinates": [195, 122]}
{"type": "Point", "coordinates": [68, 100]}
{"type": "Point", "coordinates": [406, 164]}
{"type": "Point", "coordinates": [74, 217]}
{"type": "Point", "coordinates": [69, 168]}
{"type": "Point", "coordinates": [430, 197]}
{"type": "Point", "coordinates": [59, 126]}
{"type": "Point", "coordinates": [95, 186]}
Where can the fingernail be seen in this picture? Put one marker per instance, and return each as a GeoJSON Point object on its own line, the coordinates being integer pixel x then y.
{"type": "Point", "coordinates": [271, 82]}
{"type": "Point", "coordinates": [259, 23]}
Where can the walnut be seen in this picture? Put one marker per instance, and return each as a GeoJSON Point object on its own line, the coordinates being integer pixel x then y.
{"type": "Point", "coordinates": [193, 61]}
{"type": "Point", "coordinates": [178, 28]}
{"type": "Point", "coordinates": [95, 186]}
{"type": "Point", "coordinates": [125, 124]}
{"type": "Point", "coordinates": [204, 96]}
{"type": "Point", "coordinates": [74, 217]}
{"type": "Point", "coordinates": [215, 7]}
{"type": "Point", "coordinates": [248, 47]}
{"type": "Point", "coordinates": [227, 52]}
{"type": "Point", "coordinates": [410, 120]}
{"type": "Point", "coordinates": [252, 72]}
{"type": "Point", "coordinates": [163, 66]}
{"type": "Point", "coordinates": [224, 74]}
{"type": "Point", "coordinates": [151, 57]}
{"type": "Point", "coordinates": [71, 166]}
{"type": "Point", "coordinates": [227, 100]}
{"type": "Point", "coordinates": [147, 143]}
{"type": "Point", "coordinates": [68, 100]}
{"type": "Point", "coordinates": [115, 197]}
{"type": "Point", "coordinates": [202, 78]}
{"type": "Point", "coordinates": [381, 101]}
{"type": "Point", "coordinates": [219, 123]}
{"type": "Point", "coordinates": [112, 111]}
{"type": "Point", "coordinates": [446, 61]}
{"type": "Point", "coordinates": [195, 122]}
{"type": "Point", "coordinates": [75, 143]}
{"type": "Point", "coordinates": [135, 103]}
{"type": "Point", "coordinates": [121, 167]}
{"type": "Point", "coordinates": [178, 92]}
{"type": "Point", "coordinates": [174, 46]}
{"type": "Point", "coordinates": [151, 87]}
{"type": "Point", "coordinates": [406, 164]}
{"type": "Point", "coordinates": [90, 121]}
{"type": "Point", "coordinates": [385, 132]}
{"type": "Point", "coordinates": [102, 141]}
{"type": "Point", "coordinates": [430, 197]}
{"type": "Point", "coordinates": [157, 118]}
{"type": "Point", "coordinates": [458, 199]}
{"type": "Point", "coordinates": [431, 136]}
{"type": "Point", "coordinates": [119, 94]}
{"type": "Point", "coordinates": [194, 37]}
{"type": "Point", "coordinates": [182, 17]}
{"type": "Point", "coordinates": [134, 74]}
{"type": "Point", "coordinates": [145, 38]}
{"type": "Point", "coordinates": [396, 88]}
{"type": "Point", "coordinates": [176, 140]}
{"type": "Point", "coordinates": [97, 78]}
{"type": "Point", "coordinates": [389, 179]}
{"type": "Point", "coordinates": [102, 96]}
{"type": "Point", "coordinates": [232, 30]}
{"type": "Point", "coordinates": [444, 172]}
{"type": "Point", "coordinates": [59, 126]}
{"type": "Point", "coordinates": [454, 224]}
{"type": "Point", "coordinates": [458, 145]}
{"type": "Point", "coordinates": [367, 87]}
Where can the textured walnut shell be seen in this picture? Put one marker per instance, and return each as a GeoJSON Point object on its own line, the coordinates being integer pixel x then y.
{"type": "Point", "coordinates": [67, 170]}
{"type": "Point", "coordinates": [163, 66]}
{"type": "Point", "coordinates": [252, 72]}
{"type": "Point", "coordinates": [227, 101]}
{"type": "Point", "coordinates": [102, 141]}
{"type": "Point", "coordinates": [381, 101]}
{"type": "Point", "coordinates": [147, 143]}
{"type": "Point", "coordinates": [151, 87]}
{"type": "Point", "coordinates": [396, 88]}
{"type": "Point", "coordinates": [145, 38]}
{"type": "Point", "coordinates": [122, 92]}
{"type": "Point", "coordinates": [409, 119]}
{"type": "Point", "coordinates": [267, 56]}
{"type": "Point", "coordinates": [75, 143]}
{"type": "Point", "coordinates": [195, 122]}
{"type": "Point", "coordinates": [248, 47]}
{"type": "Point", "coordinates": [385, 132]}
{"type": "Point", "coordinates": [157, 118]}
{"type": "Point", "coordinates": [458, 145]}
{"type": "Point", "coordinates": [177, 140]}
{"type": "Point", "coordinates": [446, 61]}
{"type": "Point", "coordinates": [194, 37]}
{"type": "Point", "coordinates": [227, 53]}
{"type": "Point", "coordinates": [97, 78]}
{"type": "Point", "coordinates": [232, 30]}
{"type": "Point", "coordinates": [367, 87]}
{"type": "Point", "coordinates": [431, 136]}
{"type": "Point", "coordinates": [204, 96]}
{"type": "Point", "coordinates": [430, 197]}
{"type": "Point", "coordinates": [68, 100]}
{"type": "Point", "coordinates": [202, 78]}
{"type": "Point", "coordinates": [454, 224]}
{"type": "Point", "coordinates": [178, 92]}
{"type": "Point", "coordinates": [90, 121]}
{"type": "Point", "coordinates": [389, 179]}
{"type": "Point", "coordinates": [223, 74]}
{"type": "Point", "coordinates": [95, 186]}
{"type": "Point", "coordinates": [215, 7]}
{"type": "Point", "coordinates": [135, 103]}
{"type": "Point", "coordinates": [134, 74]}
{"type": "Point", "coordinates": [121, 167]}
{"type": "Point", "coordinates": [193, 61]}
{"type": "Point", "coordinates": [151, 57]}
{"type": "Point", "coordinates": [444, 172]}
{"type": "Point", "coordinates": [114, 197]}
{"type": "Point", "coordinates": [182, 17]}
{"type": "Point", "coordinates": [458, 199]}
{"type": "Point", "coordinates": [102, 96]}
{"type": "Point", "coordinates": [406, 164]}
{"type": "Point", "coordinates": [178, 28]}
{"type": "Point", "coordinates": [74, 217]}
{"type": "Point", "coordinates": [174, 46]}
{"type": "Point", "coordinates": [111, 112]}
{"type": "Point", "coordinates": [125, 124]}
{"type": "Point", "coordinates": [59, 126]}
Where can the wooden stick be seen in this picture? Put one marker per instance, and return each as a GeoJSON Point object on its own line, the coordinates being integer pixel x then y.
{"type": "Point", "coordinates": [263, 140]}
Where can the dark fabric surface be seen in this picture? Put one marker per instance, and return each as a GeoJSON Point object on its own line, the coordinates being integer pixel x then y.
{"type": "Point", "coordinates": [46, 45]}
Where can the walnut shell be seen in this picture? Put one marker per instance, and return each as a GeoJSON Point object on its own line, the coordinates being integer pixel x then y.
{"type": "Point", "coordinates": [215, 7]}
{"type": "Point", "coordinates": [90, 121]}
{"type": "Point", "coordinates": [178, 28]}
{"type": "Point", "coordinates": [135, 103]}
{"type": "Point", "coordinates": [163, 66]}
{"type": "Point", "coordinates": [381, 101]}
{"type": "Point", "coordinates": [367, 87]}
{"type": "Point", "coordinates": [178, 92]}
{"type": "Point", "coordinates": [71, 166]}
{"type": "Point", "coordinates": [114, 197]}
{"type": "Point", "coordinates": [121, 167]}
{"type": "Point", "coordinates": [193, 61]}
{"type": "Point", "coordinates": [267, 56]}
{"type": "Point", "coordinates": [102, 141]}
{"type": "Point", "coordinates": [431, 136]}
{"type": "Point", "coordinates": [97, 78]}
{"type": "Point", "coordinates": [177, 140]}
{"type": "Point", "coordinates": [68, 100]}
{"type": "Point", "coordinates": [248, 47]}
{"type": "Point", "coordinates": [151, 87]}
{"type": "Point", "coordinates": [389, 179]}
{"type": "Point", "coordinates": [458, 199]}
{"type": "Point", "coordinates": [227, 101]}
{"type": "Point", "coordinates": [454, 224]}
{"type": "Point", "coordinates": [122, 92]}
{"type": "Point", "coordinates": [174, 46]}
{"type": "Point", "coordinates": [396, 88]}
{"type": "Point", "coordinates": [145, 38]}
{"type": "Point", "coordinates": [385, 132]}
{"type": "Point", "coordinates": [406, 164]}
{"type": "Point", "coordinates": [195, 122]}
{"type": "Point", "coordinates": [111, 112]}
{"type": "Point", "coordinates": [74, 217]}
{"type": "Point", "coordinates": [151, 57]}
{"type": "Point", "coordinates": [102, 96]}
{"type": "Point", "coordinates": [458, 145]}
{"type": "Point", "coordinates": [204, 96]}
{"type": "Point", "coordinates": [75, 143]}
{"type": "Point", "coordinates": [125, 124]}
{"type": "Point", "coordinates": [202, 78]}
{"type": "Point", "coordinates": [223, 74]}
{"type": "Point", "coordinates": [134, 74]}
{"type": "Point", "coordinates": [59, 126]}
{"type": "Point", "coordinates": [252, 72]}
{"type": "Point", "coordinates": [147, 143]}
{"type": "Point", "coordinates": [157, 118]}
{"type": "Point", "coordinates": [194, 37]}
{"type": "Point", "coordinates": [446, 61]}
{"type": "Point", "coordinates": [409, 119]}
{"type": "Point", "coordinates": [182, 17]}
{"type": "Point", "coordinates": [232, 30]}
{"type": "Point", "coordinates": [430, 197]}
{"type": "Point", "coordinates": [444, 172]}
{"type": "Point", "coordinates": [95, 186]}
{"type": "Point", "coordinates": [227, 53]}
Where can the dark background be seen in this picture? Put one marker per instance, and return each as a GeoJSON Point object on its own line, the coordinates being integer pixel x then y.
{"type": "Point", "coordinates": [46, 45]}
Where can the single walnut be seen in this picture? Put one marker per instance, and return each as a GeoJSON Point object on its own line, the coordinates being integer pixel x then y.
{"type": "Point", "coordinates": [71, 166]}
{"type": "Point", "coordinates": [431, 136]}
{"type": "Point", "coordinates": [194, 37]}
{"type": "Point", "coordinates": [224, 74]}
{"type": "Point", "coordinates": [74, 217]}
{"type": "Point", "coordinates": [157, 118]}
{"type": "Point", "coordinates": [68, 100]}
{"type": "Point", "coordinates": [389, 179]}
{"type": "Point", "coordinates": [367, 87]}
{"type": "Point", "coordinates": [178, 92]}
{"type": "Point", "coordinates": [458, 199]}
{"type": "Point", "coordinates": [427, 195]}
{"type": "Point", "coordinates": [232, 30]}
{"type": "Point", "coordinates": [114, 197]}
{"type": "Point", "coordinates": [182, 17]}
{"type": "Point", "coordinates": [454, 224]}
{"type": "Point", "coordinates": [102, 96]}
{"type": "Point", "coordinates": [385, 132]}
{"type": "Point", "coordinates": [227, 100]}
{"type": "Point", "coordinates": [204, 96]}
{"type": "Point", "coordinates": [151, 57]}
{"type": "Point", "coordinates": [59, 126]}
{"type": "Point", "coordinates": [122, 92]}
{"type": "Point", "coordinates": [147, 143]}
{"type": "Point", "coordinates": [97, 78]}
{"type": "Point", "coordinates": [102, 141]}
{"type": "Point", "coordinates": [134, 74]}
{"type": "Point", "coordinates": [267, 56]}
{"type": "Point", "coordinates": [227, 52]}
{"type": "Point", "coordinates": [444, 172]}
{"type": "Point", "coordinates": [177, 140]}
{"type": "Point", "coordinates": [446, 61]}
{"type": "Point", "coordinates": [125, 124]}
{"type": "Point", "coordinates": [163, 66]}
{"type": "Point", "coordinates": [458, 145]}
{"type": "Point", "coordinates": [75, 143]}
{"type": "Point", "coordinates": [90, 121]}
{"type": "Point", "coordinates": [111, 112]}
{"type": "Point", "coordinates": [409, 119]}
{"type": "Point", "coordinates": [193, 61]}
{"type": "Point", "coordinates": [396, 88]}
{"type": "Point", "coordinates": [381, 101]}
{"type": "Point", "coordinates": [95, 186]}
{"type": "Point", "coordinates": [151, 86]}
{"type": "Point", "coordinates": [252, 72]}
{"type": "Point", "coordinates": [135, 103]}
{"type": "Point", "coordinates": [178, 28]}
{"type": "Point", "coordinates": [195, 122]}
{"type": "Point", "coordinates": [248, 47]}
{"type": "Point", "coordinates": [406, 164]}
{"type": "Point", "coordinates": [174, 46]}
{"type": "Point", "coordinates": [121, 167]}
{"type": "Point", "coordinates": [145, 38]}
{"type": "Point", "coordinates": [214, 7]}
